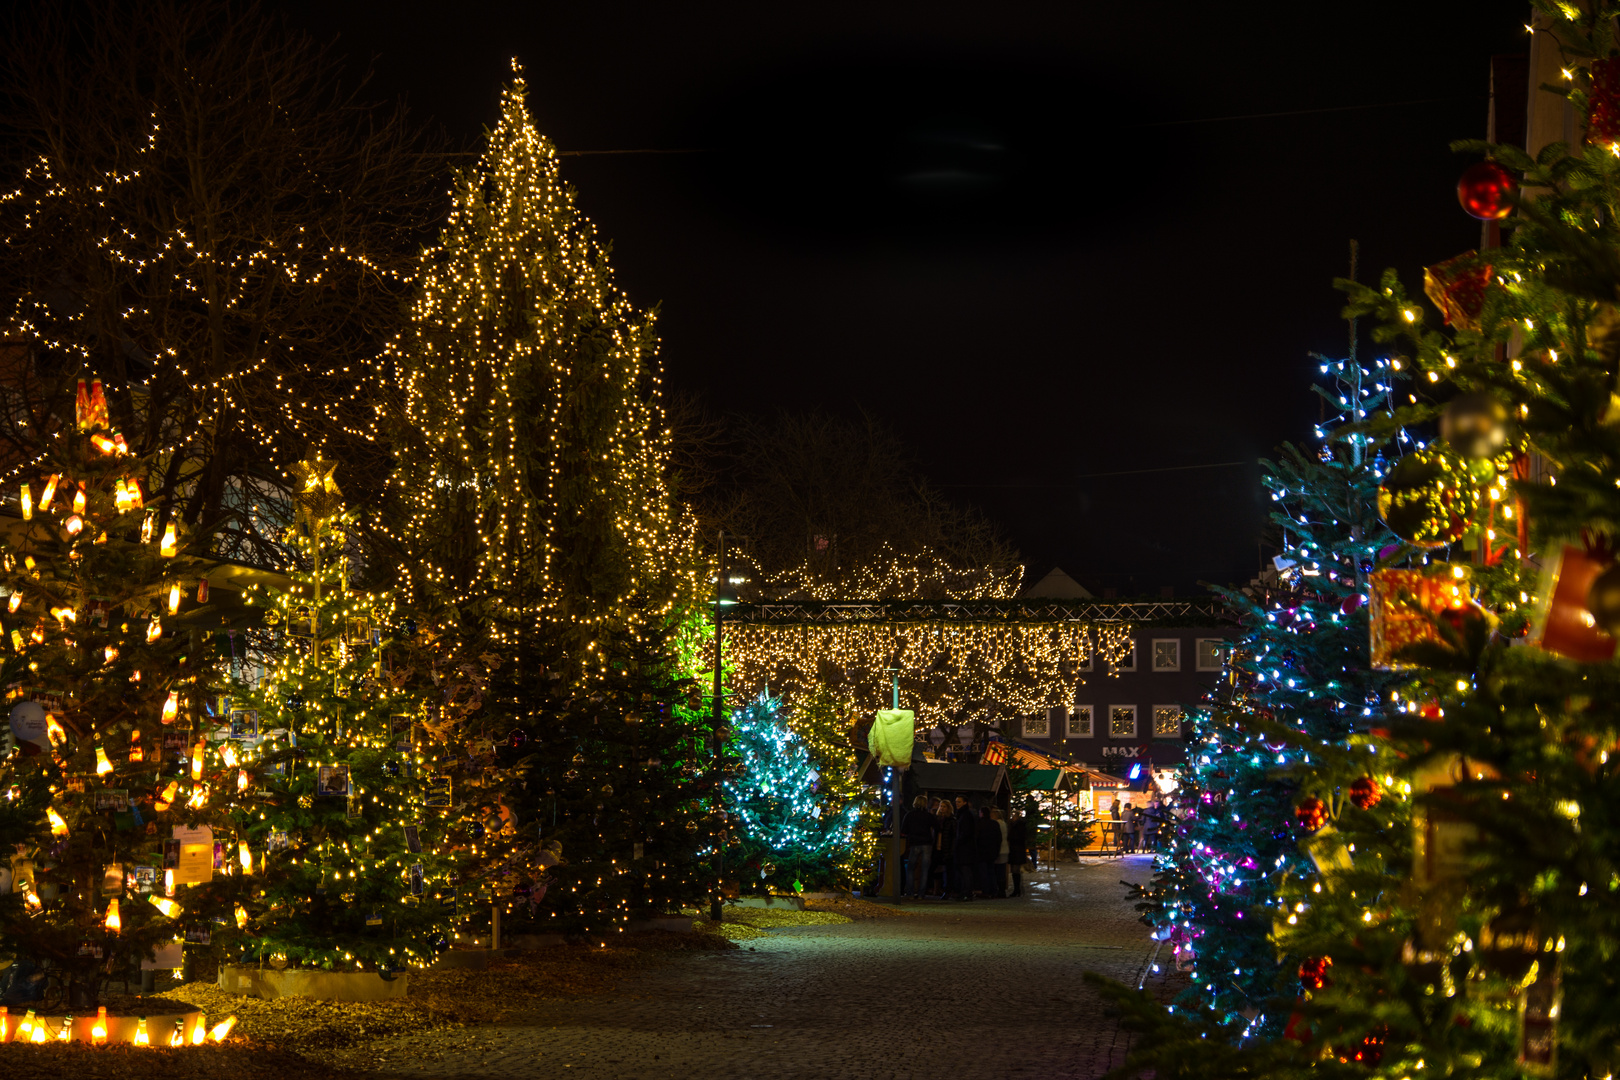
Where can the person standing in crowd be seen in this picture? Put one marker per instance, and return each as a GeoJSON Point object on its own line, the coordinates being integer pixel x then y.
{"type": "Point", "coordinates": [1127, 839]}
{"type": "Point", "coordinates": [918, 829]}
{"type": "Point", "coordinates": [966, 849]}
{"type": "Point", "coordinates": [944, 834]}
{"type": "Point", "coordinates": [1017, 850]}
{"type": "Point", "coordinates": [987, 838]}
{"type": "Point", "coordinates": [998, 872]}
{"type": "Point", "coordinates": [1143, 820]}
{"type": "Point", "coordinates": [1116, 824]}
{"type": "Point", "coordinates": [1155, 822]}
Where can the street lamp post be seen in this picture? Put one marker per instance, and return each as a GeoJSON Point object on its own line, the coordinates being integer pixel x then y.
{"type": "Point", "coordinates": [718, 719]}
{"type": "Point", "coordinates": [891, 874]}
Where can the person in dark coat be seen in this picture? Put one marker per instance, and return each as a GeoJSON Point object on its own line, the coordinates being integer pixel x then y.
{"type": "Point", "coordinates": [944, 835]}
{"type": "Point", "coordinates": [966, 853]}
{"type": "Point", "coordinates": [987, 844]}
{"type": "Point", "coordinates": [918, 828]}
{"type": "Point", "coordinates": [1017, 850]}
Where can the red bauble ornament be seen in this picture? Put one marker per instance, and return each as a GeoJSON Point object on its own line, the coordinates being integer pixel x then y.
{"type": "Point", "coordinates": [1365, 793]}
{"type": "Point", "coordinates": [1311, 813]}
{"type": "Point", "coordinates": [1350, 604]}
{"type": "Point", "coordinates": [1313, 972]}
{"type": "Point", "coordinates": [1487, 191]}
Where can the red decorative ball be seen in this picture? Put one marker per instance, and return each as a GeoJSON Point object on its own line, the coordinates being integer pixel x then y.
{"type": "Point", "coordinates": [1487, 191]}
{"type": "Point", "coordinates": [1311, 813]}
{"type": "Point", "coordinates": [1365, 793]}
{"type": "Point", "coordinates": [1313, 972]}
{"type": "Point", "coordinates": [1350, 604]}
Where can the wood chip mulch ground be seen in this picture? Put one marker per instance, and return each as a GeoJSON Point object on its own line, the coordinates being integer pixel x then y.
{"type": "Point", "coordinates": [286, 1037]}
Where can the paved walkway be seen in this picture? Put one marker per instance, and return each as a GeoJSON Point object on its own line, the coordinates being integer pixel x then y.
{"type": "Point", "coordinates": [977, 991]}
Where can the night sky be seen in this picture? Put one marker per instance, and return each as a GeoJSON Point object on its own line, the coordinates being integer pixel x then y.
{"type": "Point", "coordinates": [987, 226]}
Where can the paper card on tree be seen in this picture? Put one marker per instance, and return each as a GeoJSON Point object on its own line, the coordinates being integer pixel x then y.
{"type": "Point", "coordinates": [196, 860]}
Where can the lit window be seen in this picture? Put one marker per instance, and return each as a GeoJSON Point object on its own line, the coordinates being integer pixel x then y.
{"type": "Point", "coordinates": [1167, 721]}
{"type": "Point", "coordinates": [1080, 722]}
{"type": "Point", "coordinates": [1122, 721]}
{"type": "Point", "coordinates": [1166, 654]}
{"type": "Point", "coordinates": [1211, 653]}
{"type": "Point", "coordinates": [1038, 726]}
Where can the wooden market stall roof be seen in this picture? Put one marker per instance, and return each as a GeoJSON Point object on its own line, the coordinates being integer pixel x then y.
{"type": "Point", "coordinates": [997, 751]}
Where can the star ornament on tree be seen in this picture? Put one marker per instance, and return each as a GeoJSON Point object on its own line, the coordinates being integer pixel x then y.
{"type": "Point", "coordinates": [318, 494]}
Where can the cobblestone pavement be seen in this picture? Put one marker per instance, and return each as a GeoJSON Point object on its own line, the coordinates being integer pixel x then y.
{"type": "Point", "coordinates": [965, 991]}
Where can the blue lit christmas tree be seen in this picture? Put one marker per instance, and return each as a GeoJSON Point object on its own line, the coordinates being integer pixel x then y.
{"type": "Point", "coordinates": [789, 830]}
{"type": "Point", "coordinates": [1300, 681]}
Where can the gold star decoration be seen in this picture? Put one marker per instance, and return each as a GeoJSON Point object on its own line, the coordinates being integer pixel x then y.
{"type": "Point", "coordinates": [318, 494]}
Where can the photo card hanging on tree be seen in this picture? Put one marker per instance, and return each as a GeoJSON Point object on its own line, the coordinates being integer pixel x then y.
{"type": "Point", "coordinates": [333, 782]}
{"type": "Point", "coordinates": [245, 724]}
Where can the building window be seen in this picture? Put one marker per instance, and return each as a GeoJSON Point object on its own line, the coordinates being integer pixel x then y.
{"type": "Point", "coordinates": [1080, 722]}
{"type": "Point", "coordinates": [1211, 653]}
{"type": "Point", "coordinates": [1166, 654]}
{"type": "Point", "coordinates": [1128, 661]}
{"type": "Point", "coordinates": [1038, 726]}
{"type": "Point", "coordinates": [1122, 721]}
{"type": "Point", "coordinates": [1167, 721]}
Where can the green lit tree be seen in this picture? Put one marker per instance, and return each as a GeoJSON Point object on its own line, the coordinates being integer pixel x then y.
{"type": "Point", "coordinates": [785, 832]}
{"type": "Point", "coordinates": [360, 829]}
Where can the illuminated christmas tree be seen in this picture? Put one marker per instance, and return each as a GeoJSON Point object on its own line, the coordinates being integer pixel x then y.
{"type": "Point", "coordinates": [786, 833]}
{"type": "Point", "coordinates": [363, 828]}
{"type": "Point", "coordinates": [1300, 679]}
{"type": "Point", "coordinates": [532, 442]}
{"type": "Point", "coordinates": [118, 795]}
{"type": "Point", "coordinates": [533, 524]}
{"type": "Point", "coordinates": [1459, 918]}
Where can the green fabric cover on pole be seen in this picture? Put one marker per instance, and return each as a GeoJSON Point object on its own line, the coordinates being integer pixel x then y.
{"type": "Point", "coordinates": [893, 734]}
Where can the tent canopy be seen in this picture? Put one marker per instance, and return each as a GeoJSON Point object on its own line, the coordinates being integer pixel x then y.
{"type": "Point", "coordinates": [1040, 780]}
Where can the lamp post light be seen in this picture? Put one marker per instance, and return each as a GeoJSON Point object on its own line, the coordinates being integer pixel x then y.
{"type": "Point", "coordinates": [725, 592]}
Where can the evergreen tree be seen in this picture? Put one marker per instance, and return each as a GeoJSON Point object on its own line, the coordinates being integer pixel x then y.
{"type": "Point", "coordinates": [110, 776]}
{"type": "Point", "coordinates": [1299, 679]}
{"type": "Point", "coordinates": [1464, 919]}
{"type": "Point", "coordinates": [361, 828]}
{"type": "Point", "coordinates": [785, 835]}
{"type": "Point", "coordinates": [535, 525]}
{"type": "Point", "coordinates": [531, 438]}
{"type": "Point", "coordinates": [824, 725]}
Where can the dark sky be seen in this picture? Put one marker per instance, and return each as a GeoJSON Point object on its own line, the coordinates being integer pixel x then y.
{"type": "Point", "coordinates": [982, 224]}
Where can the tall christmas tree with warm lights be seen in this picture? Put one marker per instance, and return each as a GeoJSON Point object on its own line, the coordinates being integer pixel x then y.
{"type": "Point", "coordinates": [1460, 917]}
{"type": "Point", "coordinates": [535, 525]}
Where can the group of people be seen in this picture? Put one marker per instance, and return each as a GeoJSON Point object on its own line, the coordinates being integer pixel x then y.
{"type": "Point", "coordinates": [1137, 828]}
{"type": "Point", "coordinates": [957, 850]}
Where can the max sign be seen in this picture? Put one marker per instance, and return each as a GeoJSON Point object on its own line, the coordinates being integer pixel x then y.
{"type": "Point", "coordinates": [1122, 751]}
